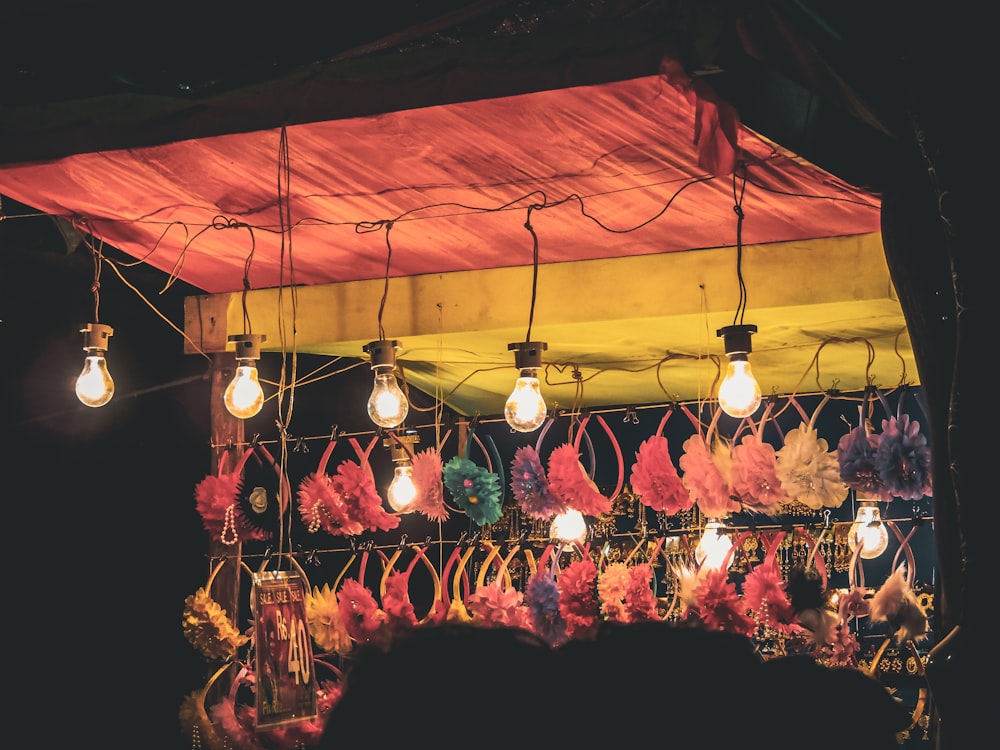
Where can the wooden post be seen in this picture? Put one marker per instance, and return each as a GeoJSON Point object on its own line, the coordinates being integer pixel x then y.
{"type": "Point", "coordinates": [227, 441]}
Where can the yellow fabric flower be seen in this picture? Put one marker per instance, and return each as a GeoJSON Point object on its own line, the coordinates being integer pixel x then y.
{"type": "Point", "coordinates": [323, 618]}
{"type": "Point", "coordinates": [196, 724]}
{"type": "Point", "coordinates": [208, 629]}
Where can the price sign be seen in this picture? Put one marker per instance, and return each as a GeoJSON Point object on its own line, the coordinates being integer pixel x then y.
{"type": "Point", "coordinates": [286, 683]}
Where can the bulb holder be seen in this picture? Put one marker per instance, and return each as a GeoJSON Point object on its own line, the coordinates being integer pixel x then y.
{"type": "Point", "coordinates": [401, 447]}
{"type": "Point", "coordinates": [736, 339]}
{"type": "Point", "coordinates": [527, 354]}
{"type": "Point", "coordinates": [382, 353]}
{"type": "Point", "coordinates": [95, 337]}
{"type": "Point", "coordinates": [247, 345]}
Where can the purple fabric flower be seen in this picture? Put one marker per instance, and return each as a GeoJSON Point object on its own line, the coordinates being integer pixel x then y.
{"type": "Point", "coordinates": [530, 486]}
{"type": "Point", "coordinates": [542, 598]}
{"type": "Point", "coordinates": [856, 456]}
{"type": "Point", "coordinates": [903, 458]}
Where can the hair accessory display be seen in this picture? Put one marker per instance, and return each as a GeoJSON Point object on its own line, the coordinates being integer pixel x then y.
{"type": "Point", "coordinates": [571, 483]}
{"type": "Point", "coordinates": [346, 503]}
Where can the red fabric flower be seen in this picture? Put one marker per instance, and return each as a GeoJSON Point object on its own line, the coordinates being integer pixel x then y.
{"type": "Point", "coordinates": [427, 473]}
{"type": "Point", "coordinates": [578, 603]}
{"type": "Point", "coordinates": [359, 612]}
{"type": "Point", "coordinates": [656, 481]}
{"type": "Point", "coordinates": [706, 476]}
{"type": "Point", "coordinates": [719, 605]}
{"type": "Point", "coordinates": [640, 602]}
{"type": "Point", "coordinates": [569, 482]}
{"type": "Point", "coordinates": [215, 499]}
{"type": "Point", "coordinates": [753, 476]}
{"type": "Point", "coordinates": [399, 611]}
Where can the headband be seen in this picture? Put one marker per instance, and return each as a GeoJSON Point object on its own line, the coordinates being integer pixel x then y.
{"type": "Point", "coordinates": [806, 466]}
{"type": "Point", "coordinates": [207, 625]}
{"type": "Point", "coordinates": [570, 482]}
{"type": "Point", "coordinates": [217, 496]}
{"type": "Point", "coordinates": [752, 473]}
{"type": "Point", "coordinates": [705, 463]}
{"type": "Point", "coordinates": [477, 491]}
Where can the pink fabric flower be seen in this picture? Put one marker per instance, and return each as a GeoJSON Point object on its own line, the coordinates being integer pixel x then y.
{"type": "Point", "coordinates": [215, 500]}
{"type": "Point", "coordinates": [611, 589]}
{"type": "Point", "coordinates": [427, 476]}
{"type": "Point", "coordinates": [853, 604]}
{"type": "Point", "coordinates": [569, 482]}
{"type": "Point", "coordinates": [640, 601]}
{"type": "Point", "coordinates": [706, 476]}
{"type": "Point", "coordinates": [764, 594]}
{"type": "Point", "coordinates": [356, 487]}
{"type": "Point", "coordinates": [753, 476]}
{"type": "Point", "coordinates": [656, 481]}
{"type": "Point", "coordinates": [322, 507]}
{"type": "Point", "coordinates": [492, 605]}
{"type": "Point", "coordinates": [399, 611]}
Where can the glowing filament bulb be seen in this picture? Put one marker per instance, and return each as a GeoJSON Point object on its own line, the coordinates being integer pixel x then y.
{"type": "Point", "coordinates": [569, 526]}
{"type": "Point", "coordinates": [868, 531]}
{"type": "Point", "coordinates": [95, 387]}
{"type": "Point", "coordinates": [713, 548]}
{"type": "Point", "coordinates": [402, 491]}
{"type": "Point", "coordinates": [739, 394]}
{"type": "Point", "coordinates": [525, 409]}
{"type": "Point", "coordinates": [387, 406]}
{"type": "Point", "coordinates": [244, 397]}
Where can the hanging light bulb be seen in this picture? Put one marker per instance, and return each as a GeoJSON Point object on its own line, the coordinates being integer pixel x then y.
{"type": "Point", "coordinates": [525, 409]}
{"type": "Point", "coordinates": [713, 548]}
{"type": "Point", "coordinates": [95, 387]}
{"type": "Point", "coordinates": [568, 527]}
{"type": "Point", "coordinates": [387, 406]}
{"type": "Point", "coordinates": [868, 530]}
{"type": "Point", "coordinates": [739, 393]}
{"type": "Point", "coordinates": [244, 397]}
{"type": "Point", "coordinates": [402, 491]}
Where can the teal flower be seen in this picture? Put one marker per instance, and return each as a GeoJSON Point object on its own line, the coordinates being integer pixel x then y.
{"type": "Point", "coordinates": [475, 490]}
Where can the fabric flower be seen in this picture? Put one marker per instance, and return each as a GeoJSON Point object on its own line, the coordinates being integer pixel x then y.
{"type": "Point", "coordinates": [208, 628]}
{"type": "Point", "coordinates": [323, 619]}
{"type": "Point", "coordinates": [903, 459]}
{"type": "Point", "coordinates": [656, 481]}
{"type": "Point", "coordinates": [530, 486]}
{"type": "Point", "coordinates": [541, 596]}
{"type": "Point", "coordinates": [399, 611]}
{"type": "Point", "coordinates": [640, 601]}
{"type": "Point", "coordinates": [474, 489]}
{"type": "Point", "coordinates": [853, 604]}
{"type": "Point", "coordinates": [753, 476]}
{"type": "Point", "coordinates": [356, 487]}
{"type": "Point", "coordinates": [896, 604]}
{"type": "Point", "coordinates": [719, 605]}
{"type": "Point", "coordinates": [578, 603]}
{"type": "Point", "coordinates": [196, 721]}
{"type": "Point", "coordinates": [236, 723]}
{"type": "Point", "coordinates": [427, 470]}
{"type": "Point", "coordinates": [359, 612]}
{"type": "Point", "coordinates": [611, 588]}
{"type": "Point", "coordinates": [322, 507]}
{"type": "Point", "coordinates": [215, 500]}
{"type": "Point", "coordinates": [706, 476]}
{"type": "Point", "coordinates": [809, 471]}
{"type": "Point", "coordinates": [569, 482]}
{"type": "Point", "coordinates": [764, 595]}
{"type": "Point", "coordinates": [492, 605]}
{"type": "Point", "coordinates": [856, 458]}
{"type": "Point", "coordinates": [843, 649]}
